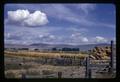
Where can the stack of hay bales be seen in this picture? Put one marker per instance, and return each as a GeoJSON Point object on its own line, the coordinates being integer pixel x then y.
{"type": "Point", "coordinates": [100, 53]}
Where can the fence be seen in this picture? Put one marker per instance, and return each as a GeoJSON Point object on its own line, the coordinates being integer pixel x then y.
{"type": "Point", "coordinates": [107, 65]}
{"type": "Point", "coordinates": [103, 65]}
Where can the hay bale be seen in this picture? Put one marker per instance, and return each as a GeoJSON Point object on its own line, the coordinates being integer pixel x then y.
{"type": "Point", "coordinates": [105, 57]}
{"type": "Point", "coordinates": [108, 53]}
{"type": "Point", "coordinates": [92, 57]}
{"type": "Point", "coordinates": [94, 50]}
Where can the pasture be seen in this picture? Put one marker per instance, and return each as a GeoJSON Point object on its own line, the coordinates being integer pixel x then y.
{"type": "Point", "coordinates": [30, 64]}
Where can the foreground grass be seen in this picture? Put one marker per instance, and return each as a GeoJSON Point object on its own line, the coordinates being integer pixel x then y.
{"type": "Point", "coordinates": [24, 62]}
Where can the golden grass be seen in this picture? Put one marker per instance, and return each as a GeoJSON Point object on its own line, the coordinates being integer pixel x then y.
{"type": "Point", "coordinates": [45, 55]}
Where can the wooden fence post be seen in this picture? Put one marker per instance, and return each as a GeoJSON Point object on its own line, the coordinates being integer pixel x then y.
{"type": "Point", "coordinates": [59, 74]}
{"type": "Point", "coordinates": [111, 58]}
{"type": "Point", "coordinates": [23, 76]}
{"type": "Point", "coordinates": [88, 70]}
{"type": "Point", "coordinates": [90, 73]}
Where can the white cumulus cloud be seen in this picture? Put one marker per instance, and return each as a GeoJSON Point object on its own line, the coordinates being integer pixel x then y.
{"type": "Point", "coordinates": [84, 39]}
{"type": "Point", "coordinates": [24, 17]}
{"type": "Point", "coordinates": [18, 15]}
{"type": "Point", "coordinates": [100, 39]}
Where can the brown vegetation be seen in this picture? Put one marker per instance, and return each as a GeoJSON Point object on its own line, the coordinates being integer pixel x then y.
{"type": "Point", "coordinates": [100, 53]}
{"type": "Point", "coordinates": [45, 55]}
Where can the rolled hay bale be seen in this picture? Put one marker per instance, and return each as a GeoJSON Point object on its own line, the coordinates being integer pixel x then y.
{"type": "Point", "coordinates": [95, 53]}
{"type": "Point", "coordinates": [102, 49]}
{"type": "Point", "coordinates": [98, 57]}
{"type": "Point", "coordinates": [94, 50]}
{"type": "Point", "coordinates": [92, 57]}
{"type": "Point", "coordinates": [98, 48]}
{"type": "Point", "coordinates": [100, 52]}
{"type": "Point", "coordinates": [107, 50]}
{"type": "Point", "coordinates": [108, 53]}
{"type": "Point", "coordinates": [104, 54]}
{"type": "Point", "coordinates": [105, 57]}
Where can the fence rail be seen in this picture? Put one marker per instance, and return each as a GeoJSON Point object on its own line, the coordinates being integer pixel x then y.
{"type": "Point", "coordinates": [109, 65]}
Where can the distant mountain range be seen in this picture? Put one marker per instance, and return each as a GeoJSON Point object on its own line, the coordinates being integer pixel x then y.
{"type": "Point", "coordinates": [50, 46]}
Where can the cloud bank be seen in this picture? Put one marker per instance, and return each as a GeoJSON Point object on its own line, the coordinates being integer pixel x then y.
{"type": "Point", "coordinates": [25, 18]}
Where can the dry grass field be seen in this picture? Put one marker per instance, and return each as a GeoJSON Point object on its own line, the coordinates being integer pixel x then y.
{"type": "Point", "coordinates": [31, 64]}
{"type": "Point", "coordinates": [45, 54]}
{"type": "Point", "coordinates": [16, 66]}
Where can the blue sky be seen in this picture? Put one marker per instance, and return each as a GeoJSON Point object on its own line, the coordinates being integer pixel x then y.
{"type": "Point", "coordinates": [59, 23]}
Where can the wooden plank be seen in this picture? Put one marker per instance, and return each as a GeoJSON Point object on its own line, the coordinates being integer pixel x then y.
{"type": "Point", "coordinates": [102, 65]}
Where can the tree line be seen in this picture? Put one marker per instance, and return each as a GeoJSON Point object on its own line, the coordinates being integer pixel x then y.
{"type": "Point", "coordinates": [65, 49]}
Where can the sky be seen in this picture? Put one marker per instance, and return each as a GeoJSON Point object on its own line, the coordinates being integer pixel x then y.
{"type": "Point", "coordinates": [75, 24]}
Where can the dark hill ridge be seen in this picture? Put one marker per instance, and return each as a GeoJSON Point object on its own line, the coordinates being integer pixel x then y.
{"type": "Point", "coordinates": [81, 47]}
{"type": "Point", "coordinates": [50, 46]}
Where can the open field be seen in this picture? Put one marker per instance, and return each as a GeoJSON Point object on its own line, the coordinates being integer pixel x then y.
{"type": "Point", "coordinates": [45, 54]}
{"type": "Point", "coordinates": [46, 65]}
{"type": "Point", "coordinates": [34, 69]}
{"type": "Point", "coordinates": [59, 41]}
